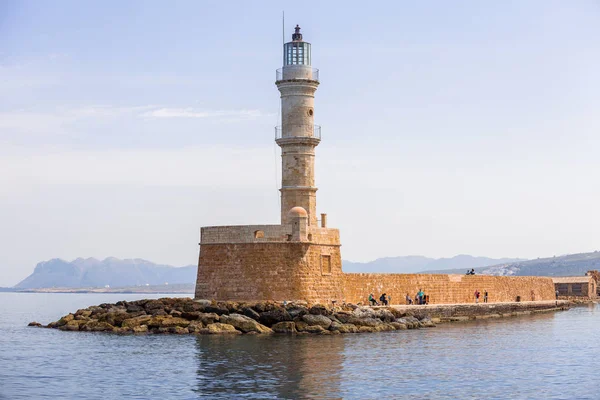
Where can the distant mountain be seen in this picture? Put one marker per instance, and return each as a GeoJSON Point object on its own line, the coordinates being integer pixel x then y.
{"type": "Point", "coordinates": [90, 272]}
{"type": "Point", "coordinates": [567, 265]}
{"type": "Point", "coordinates": [412, 264]}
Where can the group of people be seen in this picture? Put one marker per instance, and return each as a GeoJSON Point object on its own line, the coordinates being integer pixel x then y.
{"type": "Point", "coordinates": [385, 300]}
{"type": "Point", "coordinates": [471, 272]}
{"type": "Point", "coordinates": [477, 294]}
{"type": "Point", "coordinates": [420, 298]}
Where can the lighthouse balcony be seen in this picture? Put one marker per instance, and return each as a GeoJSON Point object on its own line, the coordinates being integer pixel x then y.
{"type": "Point", "coordinates": [298, 132]}
{"type": "Point", "coordinates": [297, 73]}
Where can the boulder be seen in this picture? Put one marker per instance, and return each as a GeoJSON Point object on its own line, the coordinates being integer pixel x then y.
{"type": "Point", "coordinates": [363, 329]}
{"type": "Point", "coordinates": [314, 329]}
{"type": "Point", "coordinates": [244, 324]}
{"type": "Point", "coordinates": [300, 325]}
{"type": "Point", "coordinates": [342, 328]}
{"type": "Point", "coordinates": [296, 310]}
{"type": "Point", "coordinates": [195, 327]}
{"type": "Point", "coordinates": [216, 309]}
{"type": "Point", "coordinates": [65, 319]}
{"type": "Point", "coordinates": [140, 329]}
{"type": "Point", "coordinates": [427, 323]}
{"type": "Point", "coordinates": [209, 318]}
{"type": "Point", "coordinates": [72, 325]}
{"type": "Point", "coordinates": [318, 320]}
{"type": "Point", "coordinates": [131, 308]}
{"type": "Point", "coordinates": [364, 312]}
{"type": "Point", "coordinates": [37, 324]}
{"type": "Point", "coordinates": [218, 328]}
{"type": "Point", "coordinates": [136, 321]}
{"type": "Point", "coordinates": [166, 321]}
{"type": "Point", "coordinates": [191, 315]}
{"type": "Point", "coordinates": [343, 316]}
{"type": "Point", "coordinates": [319, 309]}
{"type": "Point", "coordinates": [372, 322]}
{"type": "Point", "coordinates": [398, 326]}
{"type": "Point", "coordinates": [176, 313]}
{"type": "Point", "coordinates": [385, 315]}
{"type": "Point", "coordinates": [96, 326]}
{"type": "Point", "coordinates": [153, 305]}
{"type": "Point", "coordinates": [274, 316]}
{"type": "Point", "coordinates": [284, 327]}
{"type": "Point", "coordinates": [250, 313]}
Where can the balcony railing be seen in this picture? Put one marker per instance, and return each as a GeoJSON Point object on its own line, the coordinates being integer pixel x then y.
{"type": "Point", "coordinates": [294, 73]}
{"type": "Point", "coordinates": [299, 131]}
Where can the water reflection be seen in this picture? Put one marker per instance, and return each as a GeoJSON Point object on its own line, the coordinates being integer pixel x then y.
{"type": "Point", "coordinates": [278, 367]}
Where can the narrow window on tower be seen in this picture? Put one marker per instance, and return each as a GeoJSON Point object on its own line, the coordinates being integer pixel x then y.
{"type": "Point", "coordinates": [326, 265]}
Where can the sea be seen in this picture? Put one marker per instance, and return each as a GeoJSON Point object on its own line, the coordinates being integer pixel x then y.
{"type": "Point", "coordinates": [543, 356]}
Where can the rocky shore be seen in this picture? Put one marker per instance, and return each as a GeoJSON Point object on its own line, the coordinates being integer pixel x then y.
{"type": "Point", "coordinates": [187, 316]}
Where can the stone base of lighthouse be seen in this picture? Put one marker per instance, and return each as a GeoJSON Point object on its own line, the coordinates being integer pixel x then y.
{"type": "Point", "coordinates": [265, 262]}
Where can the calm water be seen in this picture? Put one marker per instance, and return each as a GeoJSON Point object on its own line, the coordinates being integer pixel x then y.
{"type": "Point", "coordinates": [538, 357]}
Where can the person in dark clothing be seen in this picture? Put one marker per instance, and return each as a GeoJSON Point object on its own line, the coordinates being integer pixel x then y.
{"type": "Point", "coordinates": [383, 299]}
{"type": "Point", "coordinates": [372, 300]}
{"type": "Point", "coordinates": [485, 296]}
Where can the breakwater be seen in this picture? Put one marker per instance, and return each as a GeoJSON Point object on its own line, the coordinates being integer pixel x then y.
{"type": "Point", "coordinates": [188, 316]}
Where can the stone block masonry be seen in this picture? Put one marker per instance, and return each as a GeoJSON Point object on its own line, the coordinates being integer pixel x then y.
{"type": "Point", "coordinates": [447, 289]}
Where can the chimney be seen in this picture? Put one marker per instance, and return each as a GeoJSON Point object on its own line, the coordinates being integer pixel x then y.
{"type": "Point", "coordinates": [323, 220]}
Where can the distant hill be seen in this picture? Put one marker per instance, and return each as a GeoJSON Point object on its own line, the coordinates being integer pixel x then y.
{"type": "Point", "coordinates": [412, 264]}
{"type": "Point", "coordinates": [90, 272]}
{"type": "Point", "coordinates": [567, 265]}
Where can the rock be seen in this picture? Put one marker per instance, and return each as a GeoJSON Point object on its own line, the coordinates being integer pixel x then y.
{"type": "Point", "coordinates": [343, 316]}
{"type": "Point", "coordinates": [275, 316]}
{"type": "Point", "coordinates": [72, 325]}
{"type": "Point", "coordinates": [319, 309]}
{"type": "Point", "coordinates": [131, 308]}
{"type": "Point", "coordinates": [385, 315]}
{"type": "Point", "coordinates": [216, 309]}
{"type": "Point", "coordinates": [37, 324]}
{"type": "Point", "coordinates": [250, 313]}
{"type": "Point", "coordinates": [342, 328]}
{"type": "Point", "coordinates": [284, 327]}
{"type": "Point", "coordinates": [398, 326]}
{"type": "Point", "coordinates": [314, 329]}
{"type": "Point", "coordinates": [363, 329]}
{"type": "Point", "coordinates": [319, 320]}
{"type": "Point", "coordinates": [158, 312]}
{"type": "Point", "coordinates": [191, 315]}
{"type": "Point", "coordinates": [244, 324]}
{"type": "Point", "coordinates": [178, 330]}
{"type": "Point", "coordinates": [296, 310]}
{"type": "Point", "coordinates": [209, 318]}
{"type": "Point", "coordinates": [83, 313]}
{"type": "Point", "coordinates": [136, 321]}
{"type": "Point", "coordinates": [192, 306]}
{"type": "Point", "coordinates": [140, 329]}
{"type": "Point", "coordinates": [372, 322]}
{"type": "Point", "coordinates": [65, 319]}
{"type": "Point", "coordinates": [427, 323]}
{"type": "Point", "coordinates": [300, 325]}
{"type": "Point", "coordinates": [219, 328]}
{"type": "Point", "coordinates": [203, 302]}
{"type": "Point", "coordinates": [364, 312]}
{"type": "Point", "coordinates": [96, 326]}
{"type": "Point", "coordinates": [195, 327]}
{"type": "Point", "coordinates": [153, 305]}
{"type": "Point", "coordinates": [176, 313]}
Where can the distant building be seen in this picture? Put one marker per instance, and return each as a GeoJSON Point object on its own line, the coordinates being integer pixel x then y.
{"type": "Point", "coordinates": [576, 286]}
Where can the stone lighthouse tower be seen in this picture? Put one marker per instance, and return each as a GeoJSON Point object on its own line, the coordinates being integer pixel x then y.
{"type": "Point", "coordinates": [298, 136]}
{"type": "Point", "coordinates": [297, 259]}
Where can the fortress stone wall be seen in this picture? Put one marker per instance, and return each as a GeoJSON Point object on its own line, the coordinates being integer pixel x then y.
{"type": "Point", "coordinates": [447, 289]}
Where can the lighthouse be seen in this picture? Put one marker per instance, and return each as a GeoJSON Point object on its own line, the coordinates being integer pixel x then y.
{"type": "Point", "coordinates": [298, 136]}
{"type": "Point", "coordinates": [297, 259]}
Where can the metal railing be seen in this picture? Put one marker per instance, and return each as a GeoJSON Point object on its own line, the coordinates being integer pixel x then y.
{"type": "Point", "coordinates": [294, 73]}
{"type": "Point", "coordinates": [299, 131]}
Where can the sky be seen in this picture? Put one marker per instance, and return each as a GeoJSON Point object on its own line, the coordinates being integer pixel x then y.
{"type": "Point", "coordinates": [448, 128]}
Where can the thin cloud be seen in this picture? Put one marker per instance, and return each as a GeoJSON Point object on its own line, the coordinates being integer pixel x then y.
{"type": "Point", "coordinates": [195, 113]}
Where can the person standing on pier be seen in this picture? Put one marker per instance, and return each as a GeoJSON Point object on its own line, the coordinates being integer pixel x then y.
{"type": "Point", "coordinates": [485, 296]}
{"type": "Point", "coordinates": [477, 294]}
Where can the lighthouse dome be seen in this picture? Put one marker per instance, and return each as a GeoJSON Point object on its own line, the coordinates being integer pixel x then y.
{"type": "Point", "coordinates": [297, 212]}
